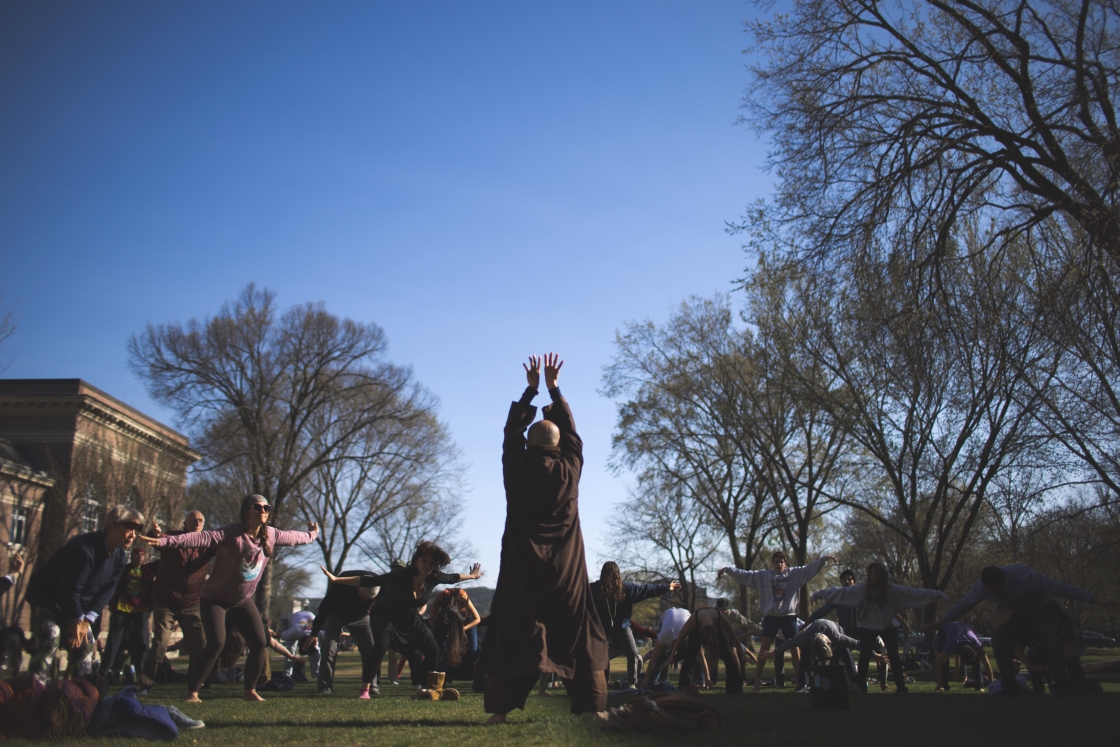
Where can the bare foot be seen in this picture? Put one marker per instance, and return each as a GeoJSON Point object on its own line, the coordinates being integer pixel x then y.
{"type": "Point", "coordinates": [497, 718]}
{"type": "Point", "coordinates": [192, 698]}
{"type": "Point", "coordinates": [543, 691]}
{"type": "Point", "coordinates": [252, 697]}
{"type": "Point", "coordinates": [603, 716]}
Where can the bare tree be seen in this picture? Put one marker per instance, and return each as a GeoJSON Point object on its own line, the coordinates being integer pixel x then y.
{"type": "Point", "coordinates": [432, 517]}
{"type": "Point", "coordinates": [251, 387]}
{"type": "Point", "coordinates": [682, 421]}
{"type": "Point", "coordinates": [660, 532]}
{"type": "Point", "coordinates": [928, 384]}
{"type": "Point", "coordinates": [892, 121]}
{"type": "Point", "coordinates": [7, 325]}
{"type": "Point", "coordinates": [392, 467]}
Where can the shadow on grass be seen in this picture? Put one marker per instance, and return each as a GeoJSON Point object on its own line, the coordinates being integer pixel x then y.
{"type": "Point", "coordinates": [337, 724]}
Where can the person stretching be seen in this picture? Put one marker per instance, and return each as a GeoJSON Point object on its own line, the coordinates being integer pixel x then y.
{"type": "Point", "coordinates": [838, 644]}
{"type": "Point", "coordinates": [672, 620]}
{"type": "Point", "coordinates": [957, 638]}
{"type": "Point", "coordinates": [877, 602]}
{"type": "Point", "coordinates": [614, 603]}
{"type": "Point", "coordinates": [243, 552]}
{"type": "Point", "coordinates": [395, 612]}
{"type": "Point", "coordinates": [778, 597]}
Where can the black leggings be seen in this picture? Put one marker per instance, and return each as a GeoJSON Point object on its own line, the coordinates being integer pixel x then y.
{"type": "Point", "coordinates": [421, 643]}
{"type": "Point", "coordinates": [243, 616]}
{"type": "Point", "coordinates": [867, 652]}
{"type": "Point", "coordinates": [730, 656]}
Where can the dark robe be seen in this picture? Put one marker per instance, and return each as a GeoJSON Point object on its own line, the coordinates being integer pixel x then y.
{"type": "Point", "coordinates": [541, 617]}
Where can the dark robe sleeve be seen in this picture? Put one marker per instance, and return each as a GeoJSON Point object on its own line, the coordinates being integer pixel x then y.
{"type": "Point", "coordinates": [521, 415]}
{"type": "Point", "coordinates": [560, 414]}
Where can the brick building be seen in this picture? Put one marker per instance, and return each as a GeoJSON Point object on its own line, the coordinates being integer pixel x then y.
{"type": "Point", "coordinates": [69, 452]}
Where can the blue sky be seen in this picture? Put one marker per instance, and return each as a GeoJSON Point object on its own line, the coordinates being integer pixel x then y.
{"type": "Point", "coordinates": [483, 180]}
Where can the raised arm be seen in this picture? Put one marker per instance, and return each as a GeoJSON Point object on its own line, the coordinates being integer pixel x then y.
{"type": "Point", "coordinates": [475, 617]}
{"type": "Point", "coordinates": [746, 578]}
{"type": "Point", "coordinates": [640, 592]}
{"type": "Point", "coordinates": [801, 575]}
{"type": "Point", "coordinates": [909, 596]}
{"type": "Point", "coordinates": [202, 539]}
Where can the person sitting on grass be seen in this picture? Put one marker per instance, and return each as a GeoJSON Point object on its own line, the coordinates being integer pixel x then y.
{"type": "Point", "coordinates": [778, 597]}
{"type": "Point", "coordinates": [825, 641]}
{"type": "Point", "coordinates": [244, 549]}
{"type": "Point", "coordinates": [877, 604]}
{"type": "Point", "coordinates": [1020, 593]}
{"type": "Point", "coordinates": [957, 638]}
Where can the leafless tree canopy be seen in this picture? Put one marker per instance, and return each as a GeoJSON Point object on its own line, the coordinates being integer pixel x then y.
{"type": "Point", "coordinates": [892, 121]}
{"type": "Point", "coordinates": [278, 402]}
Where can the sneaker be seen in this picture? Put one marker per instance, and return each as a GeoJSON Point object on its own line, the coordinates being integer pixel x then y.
{"type": "Point", "coordinates": [364, 695]}
{"type": "Point", "coordinates": [802, 689]}
{"type": "Point", "coordinates": [394, 682]}
{"type": "Point", "coordinates": [144, 691]}
{"type": "Point", "coordinates": [182, 720]}
{"type": "Point", "coordinates": [324, 691]}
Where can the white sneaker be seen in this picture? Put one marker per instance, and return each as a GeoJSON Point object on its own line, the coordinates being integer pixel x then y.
{"type": "Point", "coordinates": [182, 720]}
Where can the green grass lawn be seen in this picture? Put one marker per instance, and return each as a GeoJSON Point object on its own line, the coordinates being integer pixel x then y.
{"type": "Point", "coordinates": [773, 717]}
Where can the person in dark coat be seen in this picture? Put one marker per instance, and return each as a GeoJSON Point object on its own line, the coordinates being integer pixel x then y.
{"type": "Point", "coordinates": [345, 607]}
{"type": "Point", "coordinates": [70, 590]}
{"type": "Point", "coordinates": [614, 603]}
{"type": "Point", "coordinates": [541, 617]}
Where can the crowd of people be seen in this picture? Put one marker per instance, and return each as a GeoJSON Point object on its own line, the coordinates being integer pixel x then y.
{"type": "Point", "coordinates": [547, 620]}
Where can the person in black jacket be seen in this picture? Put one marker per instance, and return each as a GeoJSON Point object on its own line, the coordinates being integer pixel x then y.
{"type": "Point", "coordinates": [395, 614]}
{"type": "Point", "coordinates": [70, 590]}
{"type": "Point", "coordinates": [614, 603]}
{"type": "Point", "coordinates": [345, 607]}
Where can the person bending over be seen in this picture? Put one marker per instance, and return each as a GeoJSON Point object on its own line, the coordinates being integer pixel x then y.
{"type": "Point", "coordinates": [707, 632]}
{"type": "Point", "coordinates": [1020, 593]}
{"type": "Point", "coordinates": [345, 606]}
{"type": "Point", "coordinates": [836, 644]}
{"type": "Point", "coordinates": [395, 616]}
{"type": "Point", "coordinates": [672, 620]}
{"type": "Point", "coordinates": [956, 638]}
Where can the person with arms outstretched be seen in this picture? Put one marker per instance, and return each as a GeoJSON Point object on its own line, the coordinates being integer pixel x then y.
{"type": "Point", "coordinates": [779, 593]}
{"type": "Point", "coordinates": [542, 617]}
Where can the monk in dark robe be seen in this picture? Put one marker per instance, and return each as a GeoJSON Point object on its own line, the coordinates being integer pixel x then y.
{"type": "Point", "coordinates": [542, 617]}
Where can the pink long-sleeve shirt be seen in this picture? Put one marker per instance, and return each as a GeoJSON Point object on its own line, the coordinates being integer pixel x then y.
{"type": "Point", "coordinates": [240, 561]}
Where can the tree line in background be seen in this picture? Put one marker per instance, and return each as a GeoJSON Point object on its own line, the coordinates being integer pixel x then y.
{"type": "Point", "coordinates": [303, 408]}
{"type": "Point", "coordinates": [923, 367]}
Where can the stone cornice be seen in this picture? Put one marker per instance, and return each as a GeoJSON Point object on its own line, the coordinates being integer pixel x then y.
{"type": "Point", "coordinates": [23, 473]}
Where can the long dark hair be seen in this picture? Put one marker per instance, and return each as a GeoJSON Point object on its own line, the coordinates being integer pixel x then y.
{"type": "Point", "coordinates": [610, 582]}
{"type": "Point", "coordinates": [432, 550]}
{"type": "Point", "coordinates": [877, 593]}
{"type": "Point", "coordinates": [448, 622]}
{"type": "Point", "coordinates": [246, 507]}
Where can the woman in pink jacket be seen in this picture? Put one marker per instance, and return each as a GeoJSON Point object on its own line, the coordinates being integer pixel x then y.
{"type": "Point", "coordinates": [243, 552]}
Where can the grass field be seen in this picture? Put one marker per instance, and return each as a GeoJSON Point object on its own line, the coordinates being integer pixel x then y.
{"type": "Point", "coordinates": [773, 718]}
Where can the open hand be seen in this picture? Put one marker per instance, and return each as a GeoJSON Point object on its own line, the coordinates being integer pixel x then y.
{"type": "Point", "coordinates": [329, 575]}
{"type": "Point", "coordinates": [674, 585]}
{"type": "Point", "coordinates": [831, 559]}
{"type": "Point", "coordinates": [476, 571]}
{"type": "Point", "coordinates": [312, 526]}
{"type": "Point", "coordinates": [719, 574]}
{"type": "Point", "coordinates": [552, 364]}
{"type": "Point", "coordinates": [156, 531]}
{"type": "Point", "coordinates": [533, 371]}
{"type": "Point", "coordinates": [15, 563]}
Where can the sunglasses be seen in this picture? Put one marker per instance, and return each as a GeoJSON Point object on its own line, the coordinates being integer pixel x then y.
{"type": "Point", "coordinates": [131, 525]}
{"type": "Point", "coordinates": [262, 508]}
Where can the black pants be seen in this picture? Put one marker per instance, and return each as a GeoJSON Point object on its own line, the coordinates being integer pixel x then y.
{"type": "Point", "coordinates": [867, 651]}
{"type": "Point", "coordinates": [362, 636]}
{"type": "Point", "coordinates": [247, 620]}
{"type": "Point", "coordinates": [421, 643]}
{"type": "Point", "coordinates": [729, 654]}
{"type": "Point", "coordinates": [622, 642]}
{"type": "Point", "coordinates": [120, 625]}
{"type": "Point", "coordinates": [1037, 628]}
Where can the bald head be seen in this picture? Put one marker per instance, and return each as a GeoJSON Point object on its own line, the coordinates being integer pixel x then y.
{"type": "Point", "coordinates": [544, 433]}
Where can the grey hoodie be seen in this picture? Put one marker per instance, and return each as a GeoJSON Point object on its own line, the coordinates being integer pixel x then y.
{"type": "Point", "coordinates": [879, 615]}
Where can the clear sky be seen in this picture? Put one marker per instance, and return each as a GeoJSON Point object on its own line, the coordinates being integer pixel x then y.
{"type": "Point", "coordinates": [484, 180]}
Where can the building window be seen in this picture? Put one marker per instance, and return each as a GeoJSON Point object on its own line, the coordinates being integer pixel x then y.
{"type": "Point", "coordinates": [91, 510]}
{"type": "Point", "coordinates": [17, 534]}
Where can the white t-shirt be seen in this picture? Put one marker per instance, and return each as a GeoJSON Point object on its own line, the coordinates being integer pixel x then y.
{"type": "Point", "coordinates": [672, 621]}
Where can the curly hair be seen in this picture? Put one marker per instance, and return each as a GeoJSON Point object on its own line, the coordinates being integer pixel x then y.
{"type": "Point", "coordinates": [610, 582]}
{"type": "Point", "coordinates": [433, 551]}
